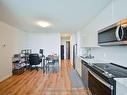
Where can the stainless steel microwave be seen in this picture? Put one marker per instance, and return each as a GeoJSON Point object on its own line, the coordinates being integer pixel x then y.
{"type": "Point", "coordinates": [113, 35]}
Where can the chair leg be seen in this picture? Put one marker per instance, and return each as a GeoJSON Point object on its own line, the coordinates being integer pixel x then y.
{"type": "Point", "coordinates": [36, 68]}
{"type": "Point", "coordinates": [47, 68]}
{"type": "Point", "coordinates": [30, 67]}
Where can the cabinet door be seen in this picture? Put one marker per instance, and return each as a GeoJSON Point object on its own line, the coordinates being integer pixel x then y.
{"type": "Point", "coordinates": [78, 65]}
{"type": "Point", "coordinates": [89, 41]}
{"type": "Point", "coordinates": [85, 75]}
{"type": "Point", "coordinates": [119, 11]}
{"type": "Point", "coordinates": [83, 41]}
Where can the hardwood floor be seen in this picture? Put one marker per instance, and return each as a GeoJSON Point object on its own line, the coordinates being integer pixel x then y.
{"type": "Point", "coordinates": [36, 83]}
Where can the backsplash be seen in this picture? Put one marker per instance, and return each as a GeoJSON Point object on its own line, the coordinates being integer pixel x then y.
{"type": "Point", "coordinates": [114, 54]}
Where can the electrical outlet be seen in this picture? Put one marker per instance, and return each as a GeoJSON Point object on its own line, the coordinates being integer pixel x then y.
{"type": "Point", "coordinates": [3, 45]}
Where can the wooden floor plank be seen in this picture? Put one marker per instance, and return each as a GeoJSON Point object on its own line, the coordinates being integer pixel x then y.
{"type": "Point", "coordinates": [38, 83]}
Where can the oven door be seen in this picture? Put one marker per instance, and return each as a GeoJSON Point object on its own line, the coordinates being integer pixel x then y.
{"type": "Point", "coordinates": [98, 86]}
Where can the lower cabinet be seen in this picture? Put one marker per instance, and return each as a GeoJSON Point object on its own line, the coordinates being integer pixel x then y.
{"type": "Point", "coordinates": [78, 66]}
{"type": "Point", "coordinates": [84, 74]}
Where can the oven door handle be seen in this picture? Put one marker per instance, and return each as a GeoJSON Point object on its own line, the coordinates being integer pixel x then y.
{"type": "Point", "coordinates": [100, 79]}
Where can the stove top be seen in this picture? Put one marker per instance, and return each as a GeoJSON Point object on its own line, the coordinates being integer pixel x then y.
{"type": "Point", "coordinates": [111, 70]}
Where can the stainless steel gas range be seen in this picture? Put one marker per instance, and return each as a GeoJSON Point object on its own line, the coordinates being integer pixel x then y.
{"type": "Point", "coordinates": [103, 78]}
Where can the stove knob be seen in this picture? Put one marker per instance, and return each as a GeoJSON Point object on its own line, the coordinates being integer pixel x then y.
{"type": "Point", "coordinates": [106, 73]}
{"type": "Point", "coordinates": [110, 75]}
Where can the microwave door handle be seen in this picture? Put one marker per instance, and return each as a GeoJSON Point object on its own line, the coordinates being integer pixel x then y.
{"type": "Point", "coordinates": [117, 33]}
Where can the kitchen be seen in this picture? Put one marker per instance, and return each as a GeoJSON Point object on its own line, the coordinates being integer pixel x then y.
{"type": "Point", "coordinates": [99, 63]}
{"type": "Point", "coordinates": [111, 14]}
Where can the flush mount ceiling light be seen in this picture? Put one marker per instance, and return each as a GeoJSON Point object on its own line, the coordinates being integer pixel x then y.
{"type": "Point", "coordinates": [43, 24]}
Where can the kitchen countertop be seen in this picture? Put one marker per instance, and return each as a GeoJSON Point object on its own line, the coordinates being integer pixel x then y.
{"type": "Point", "coordinates": [93, 60]}
{"type": "Point", "coordinates": [91, 67]}
{"type": "Point", "coordinates": [112, 70]}
{"type": "Point", "coordinates": [120, 82]}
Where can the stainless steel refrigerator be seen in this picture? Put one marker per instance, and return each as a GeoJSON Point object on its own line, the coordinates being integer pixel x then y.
{"type": "Point", "coordinates": [74, 54]}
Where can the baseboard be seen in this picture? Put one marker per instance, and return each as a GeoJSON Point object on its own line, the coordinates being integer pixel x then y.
{"type": "Point", "coordinates": [78, 74]}
{"type": "Point", "coordinates": [6, 77]}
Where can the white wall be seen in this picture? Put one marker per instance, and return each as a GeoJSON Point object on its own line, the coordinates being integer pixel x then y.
{"type": "Point", "coordinates": [50, 42]}
{"type": "Point", "coordinates": [12, 40]}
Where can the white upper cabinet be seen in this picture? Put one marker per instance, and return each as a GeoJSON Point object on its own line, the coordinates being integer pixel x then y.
{"type": "Point", "coordinates": [111, 14]}
{"type": "Point", "coordinates": [89, 35]}
{"type": "Point", "coordinates": [83, 40]}
{"type": "Point", "coordinates": [119, 9]}
{"type": "Point", "coordinates": [88, 39]}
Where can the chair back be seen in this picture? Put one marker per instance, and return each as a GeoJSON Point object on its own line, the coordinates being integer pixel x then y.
{"type": "Point", "coordinates": [34, 59]}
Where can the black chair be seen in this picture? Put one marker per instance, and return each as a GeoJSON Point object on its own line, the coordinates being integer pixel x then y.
{"type": "Point", "coordinates": [35, 60]}
{"type": "Point", "coordinates": [42, 57]}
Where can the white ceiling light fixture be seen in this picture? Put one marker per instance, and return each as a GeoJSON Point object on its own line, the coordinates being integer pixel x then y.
{"type": "Point", "coordinates": [43, 24]}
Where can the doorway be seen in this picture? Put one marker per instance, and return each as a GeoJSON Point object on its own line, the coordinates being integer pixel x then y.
{"type": "Point", "coordinates": [66, 39]}
{"type": "Point", "coordinates": [67, 49]}
{"type": "Point", "coordinates": [62, 51]}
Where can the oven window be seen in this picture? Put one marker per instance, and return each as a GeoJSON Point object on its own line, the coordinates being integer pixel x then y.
{"type": "Point", "coordinates": [96, 87]}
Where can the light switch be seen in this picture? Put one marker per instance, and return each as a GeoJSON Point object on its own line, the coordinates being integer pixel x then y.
{"type": "Point", "coordinates": [4, 45]}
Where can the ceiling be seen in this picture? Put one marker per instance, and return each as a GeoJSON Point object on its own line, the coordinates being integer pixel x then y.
{"type": "Point", "coordinates": [64, 15]}
{"type": "Point", "coordinates": [65, 35]}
